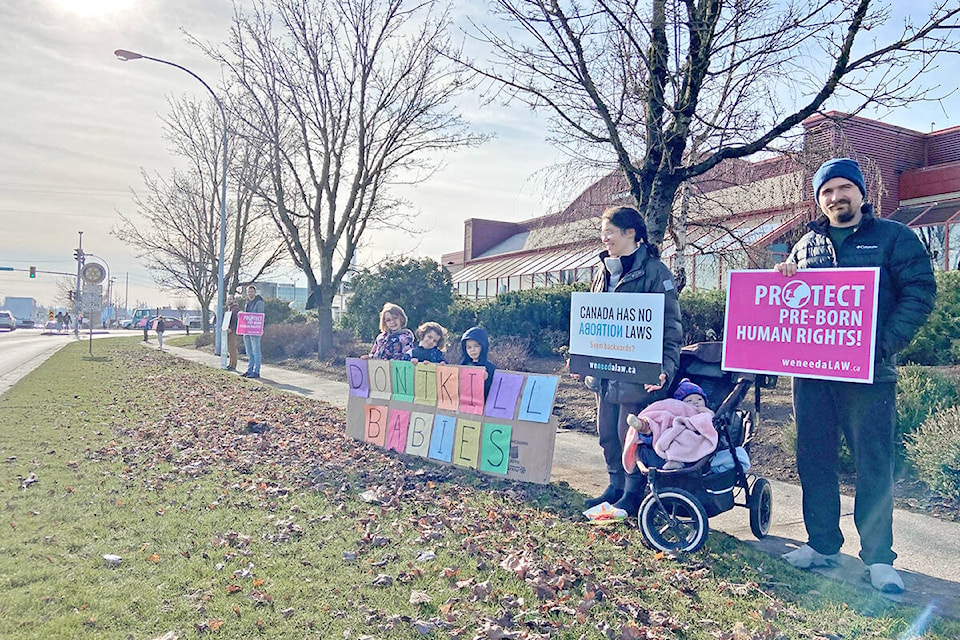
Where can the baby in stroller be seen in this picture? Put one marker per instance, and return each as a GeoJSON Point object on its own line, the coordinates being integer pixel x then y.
{"type": "Point", "coordinates": [672, 433]}
{"type": "Point", "coordinates": [696, 460]}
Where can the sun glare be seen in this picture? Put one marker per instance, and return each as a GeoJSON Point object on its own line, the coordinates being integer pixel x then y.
{"type": "Point", "coordinates": [93, 8]}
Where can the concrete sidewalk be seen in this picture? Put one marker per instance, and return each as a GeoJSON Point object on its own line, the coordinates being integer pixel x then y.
{"type": "Point", "coordinates": [928, 548]}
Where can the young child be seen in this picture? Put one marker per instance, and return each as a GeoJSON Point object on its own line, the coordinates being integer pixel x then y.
{"type": "Point", "coordinates": [474, 344]}
{"type": "Point", "coordinates": [395, 341]}
{"type": "Point", "coordinates": [670, 433]}
{"type": "Point", "coordinates": [430, 349]}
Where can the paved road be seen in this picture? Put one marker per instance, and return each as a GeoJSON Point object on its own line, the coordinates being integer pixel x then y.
{"type": "Point", "coordinates": [929, 548]}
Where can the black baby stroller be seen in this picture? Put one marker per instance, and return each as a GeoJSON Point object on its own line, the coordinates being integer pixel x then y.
{"type": "Point", "coordinates": [673, 515]}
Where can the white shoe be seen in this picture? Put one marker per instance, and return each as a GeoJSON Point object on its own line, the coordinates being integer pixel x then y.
{"type": "Point", "coordinates": [885, 578]}
{"type": "Point", "coordinates": [806, 557]}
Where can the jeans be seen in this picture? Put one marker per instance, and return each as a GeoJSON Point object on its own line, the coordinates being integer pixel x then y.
{"type": "Point", "coordinates": [867, 414]}
{"type": "Point", "coordinates": [160, 338]}
{"type": "Point", "coordinates": [612, 428]}
{"type": "Point", "coordinates": [252, 346]}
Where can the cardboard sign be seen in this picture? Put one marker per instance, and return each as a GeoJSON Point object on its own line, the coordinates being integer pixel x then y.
{"type": "Point", "coordinates": [439, 412]}
{"type": "Point", "coordinates": [617, 335]}
{"type": "Point", "coordinates": [821, 323]}
{"type": "Point", "coordinates": [250, 324]}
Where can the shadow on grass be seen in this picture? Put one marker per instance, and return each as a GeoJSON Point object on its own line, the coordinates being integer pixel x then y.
{"type": "Point", "coordinates": [97, 359]}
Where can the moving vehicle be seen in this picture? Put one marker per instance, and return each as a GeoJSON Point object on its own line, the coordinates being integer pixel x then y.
{"type": "Point", "coordinates": [7, 321]}
{"type": "Point", "coordinates": [21, 308]}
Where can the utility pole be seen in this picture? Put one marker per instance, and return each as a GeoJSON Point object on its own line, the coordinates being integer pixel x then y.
{"type": "Point", "coordinates": [76, 300]}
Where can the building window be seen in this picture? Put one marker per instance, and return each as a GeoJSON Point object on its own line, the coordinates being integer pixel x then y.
{"type": "Point", "coordinates": [707, 274]}
{"type": "Point", "coordinates": [539, 280]}
{"type": "Point", "coordinates": [583, 274]}
{"type": "Point", "coordinates": [514, 283]}
{"type": "Point", "coordinates": [953, 242]}
{"type": "Point", "coordinates": [526, 282]}
{"type": "Point", "coordinates": [481, 289]}
{"type": "Point", "coordinates": [568, 276]}
{"type": "Point", "coordinates": [933, 239]}
{"type": "Point", "coordinates": [472, 289]}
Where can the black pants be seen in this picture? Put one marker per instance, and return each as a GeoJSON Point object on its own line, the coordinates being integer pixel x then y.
{"type": "Point", "coordinates": [867, 414]}
{"type": "Point", "coordinates": [612, 428]}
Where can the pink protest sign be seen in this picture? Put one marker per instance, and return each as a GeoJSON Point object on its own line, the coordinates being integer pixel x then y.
{"type": "Point", "coordinates": [250, 324]}
{"type": "Point", "coordinates": [820, 323]}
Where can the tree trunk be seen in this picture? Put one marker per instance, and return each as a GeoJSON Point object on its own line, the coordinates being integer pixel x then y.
{"type": "Point", "coordinates": [325, 322]}
{"type": "Point", "coordinates": [205, 318]}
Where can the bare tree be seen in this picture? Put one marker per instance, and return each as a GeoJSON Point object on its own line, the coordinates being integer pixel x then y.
{"type": "Point", "coordinates": [347, 98]}
{"type": "Point", "coordinates": [177, 226]}
{"type": "Point", "coordinates": [667, 90]}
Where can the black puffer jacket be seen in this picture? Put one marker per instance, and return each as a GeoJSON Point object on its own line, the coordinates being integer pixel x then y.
{"type": "Point", "coordinates": [646, 275]}
{"type": "Point", "coordinates": [907, 286]}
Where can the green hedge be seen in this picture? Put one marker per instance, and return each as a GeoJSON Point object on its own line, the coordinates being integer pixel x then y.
{"type": "Point", "coordinates": [541, 316]}
{"type": "Point", "coordinates": [702, 315]}
{"type": "Point", "coordinates": [934, 451]}
{"type": "Point", "coordinates": [938, 341]}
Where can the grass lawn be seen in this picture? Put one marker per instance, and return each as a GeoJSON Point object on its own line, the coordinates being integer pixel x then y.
{"type": "Point", "coordinates": [299, 532]}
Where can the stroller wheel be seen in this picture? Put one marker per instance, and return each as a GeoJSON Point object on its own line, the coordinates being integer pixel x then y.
{"type": "Point", "coordinates": [674, 521]}
{"type": "Point", "coordinates": [760, 502]}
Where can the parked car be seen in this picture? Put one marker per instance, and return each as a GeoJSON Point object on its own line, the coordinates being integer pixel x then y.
{"type": "Point", "coordinates": [195, 322]}
{"type": "Point", "coordinates": [169, 323]}
{"type": "Point", "coordinates": [26, 324]}
{"type": "Point", "coordinates": [7, 321]}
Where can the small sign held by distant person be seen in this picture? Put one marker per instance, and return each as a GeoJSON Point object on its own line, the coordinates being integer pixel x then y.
{"type": "Point", "coordinates": [820, 323]}
{"type": "Point", "coordinates": [250, 324]}
{"type": "Point", "coordinates": [617, 335]}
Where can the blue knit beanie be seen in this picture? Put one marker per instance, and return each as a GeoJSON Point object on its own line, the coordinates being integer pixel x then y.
{"type": "Point", "coordinates": [839, 168]}
{"type": "Point", "coordinates": [685, 388]}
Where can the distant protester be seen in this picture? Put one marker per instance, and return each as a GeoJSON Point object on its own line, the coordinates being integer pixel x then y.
{"type": "Point", "coordinates": [395, 341]}
{"type": "Point", "coordinates": [233, 345]}
{"type": "Point", "coordinates": [252, 343]}
{"type": "Point", "coordinates": [159, 326]}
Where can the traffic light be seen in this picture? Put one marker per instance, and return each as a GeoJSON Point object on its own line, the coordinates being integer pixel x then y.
{"type": "Point", "coordinates": [78, 255]}
{"type": "Point", "coordinates": [33, 272]}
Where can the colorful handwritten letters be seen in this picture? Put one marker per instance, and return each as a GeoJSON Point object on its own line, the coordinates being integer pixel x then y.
{"type": "Point", "coordinates": [440, 412]}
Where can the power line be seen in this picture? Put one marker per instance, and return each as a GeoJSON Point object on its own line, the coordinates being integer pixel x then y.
{"type": "Point", "coordinates": [58, 213]}
{"type": "Point", "coordinates": [59, 189]}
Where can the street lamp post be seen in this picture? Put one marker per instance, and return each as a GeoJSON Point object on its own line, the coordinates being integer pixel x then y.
{"type": "Point", "coordinates": [76, 296]}
{"type": "Point", "coordinates": [125, 55]}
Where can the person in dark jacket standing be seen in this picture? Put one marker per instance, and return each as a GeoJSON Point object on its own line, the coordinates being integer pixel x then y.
{"type": "Point", "coordinates": [232, 337]}
{"type": "Point", "coordinates": [160, 327]}
{"type": "Point", "coordinates": [848, 235]}
{"type": "Point", "coordinates": [252, 343]}
{"type": "Point", "coordinates": [631, 265]}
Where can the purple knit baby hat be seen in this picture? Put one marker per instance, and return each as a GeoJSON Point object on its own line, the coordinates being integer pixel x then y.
{"type": "Point", "coordinates": [686, 387]}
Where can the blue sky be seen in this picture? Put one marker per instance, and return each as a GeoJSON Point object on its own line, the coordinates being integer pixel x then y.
{"type": "Point", "coordinates": [78, 125]}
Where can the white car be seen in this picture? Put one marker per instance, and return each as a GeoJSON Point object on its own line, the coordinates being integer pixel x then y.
{"type": "Point", "coordinates": [7, 321]}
